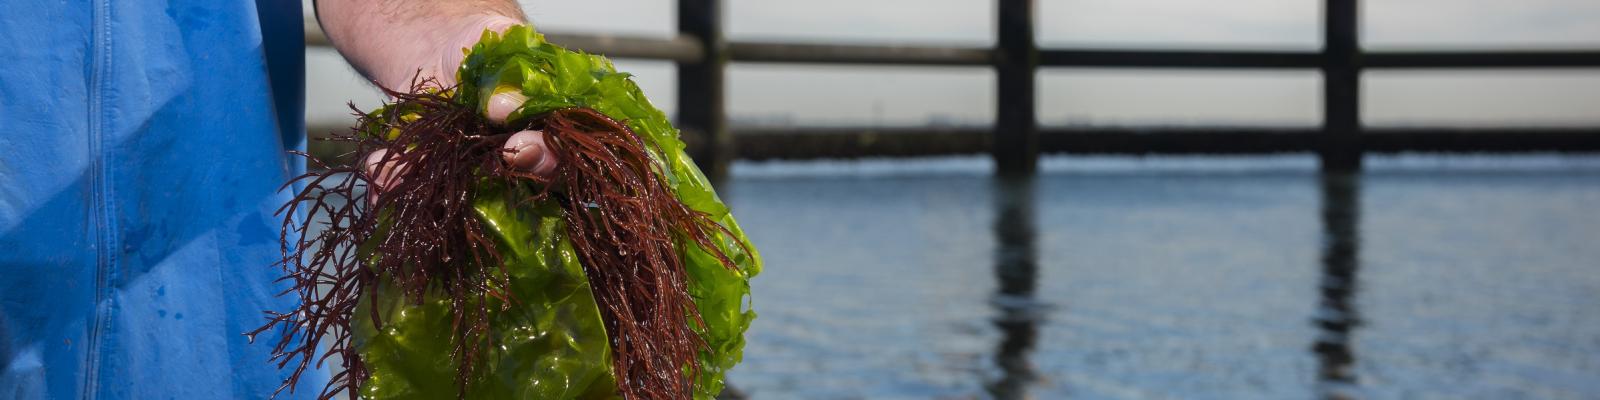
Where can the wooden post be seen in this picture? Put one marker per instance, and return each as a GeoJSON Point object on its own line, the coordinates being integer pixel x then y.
{"type": "Point", "coordinates": [1340, 148]}
{"type": "Point", "coordinates": [1016, 140]}
{"type": "Point", "coordinates": [700, 88]}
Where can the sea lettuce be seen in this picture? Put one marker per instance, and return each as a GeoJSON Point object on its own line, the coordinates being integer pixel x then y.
{"type": "Point", "coordinates": [550, 343]}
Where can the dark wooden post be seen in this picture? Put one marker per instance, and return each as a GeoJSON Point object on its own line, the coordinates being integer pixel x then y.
{"type": "Point", "coordinates": [700, 88]}
{"type": "Point", "coordinates": [1341, 88]}
{"type": "Point", "coordinates": [1016, 131]}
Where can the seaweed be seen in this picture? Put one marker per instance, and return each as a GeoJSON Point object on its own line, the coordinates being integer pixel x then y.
{"type": "Point", "coordinates": [463, 240]}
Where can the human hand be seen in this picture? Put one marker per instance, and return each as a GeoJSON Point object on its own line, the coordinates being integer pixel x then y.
{"type": "Point", "coordinates": [525, 150]}
{"type": "Point", "coordinates": [395, 42]}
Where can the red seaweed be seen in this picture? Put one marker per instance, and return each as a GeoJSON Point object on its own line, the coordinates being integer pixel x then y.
{"type": "Point", "coordinates": [421, 237]}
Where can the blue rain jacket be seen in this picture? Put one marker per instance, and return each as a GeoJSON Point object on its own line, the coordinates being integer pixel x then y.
{"type": "Point", "coordinates": [142, 144]}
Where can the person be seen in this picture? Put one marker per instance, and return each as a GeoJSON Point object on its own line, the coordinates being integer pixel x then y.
{"type": "Point", "coordinates": [142, 154]}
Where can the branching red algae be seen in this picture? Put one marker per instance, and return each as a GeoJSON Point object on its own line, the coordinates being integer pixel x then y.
{"type": "Point", "coordinates": [624, 223]}
{"type": "Point", "coordinates": [421, 237]}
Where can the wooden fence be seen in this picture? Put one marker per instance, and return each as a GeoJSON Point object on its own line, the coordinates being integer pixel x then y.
{"type": "Point", "coordinates": [1016, 140]}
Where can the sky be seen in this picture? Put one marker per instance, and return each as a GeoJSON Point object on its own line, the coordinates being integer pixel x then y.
{"type": "Point", "coordinates": [856, 95]}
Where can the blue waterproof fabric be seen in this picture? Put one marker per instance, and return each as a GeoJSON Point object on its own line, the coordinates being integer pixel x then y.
{"type": "Point", "coordinates": [140, 153]}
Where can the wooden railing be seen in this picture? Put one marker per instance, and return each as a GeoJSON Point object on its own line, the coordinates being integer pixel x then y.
{"type": "Point", "coordinates": [1016, 140]}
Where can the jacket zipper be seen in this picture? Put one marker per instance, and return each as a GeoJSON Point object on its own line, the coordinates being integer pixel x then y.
{"type": "Point", "coordinates": [104, 229]}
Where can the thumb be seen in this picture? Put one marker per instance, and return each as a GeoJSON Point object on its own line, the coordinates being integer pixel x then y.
{"type": "Point", "coordinates": [502, 104]}
{"type": "Point", "coordinates": [528, 151]}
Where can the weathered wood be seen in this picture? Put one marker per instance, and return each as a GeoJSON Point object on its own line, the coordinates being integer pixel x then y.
{"type": "Point", "coordinates": [1178, 59]}
{"type": "Point", "coordinates": [682, 49]}
{"type": "Point", "coordinates": [813, 143]}
{"type": "Point", "coordinates": [1341, 88]}
{"type": "Point", "coordinates": [1481, 140]}
{"type": "Point", "coordinates": [686, 49]}
{"type": "Point", "coordinates": [1481, 59]}
{"type": "Point", "coordinates": [859, 54]}
{"type": "Point", "coordinates": [844, 143]}
{"type": "Point", "coordinates": [1015, 140]}
{"type": "Point", "coordinates": [768, 143]}
{"type": "Point", "coordinates": [701, 94]}
{"type": "Point", "coordinates": [1160, 140]}
{"type": "Point", "coordinates": [1016, 144]}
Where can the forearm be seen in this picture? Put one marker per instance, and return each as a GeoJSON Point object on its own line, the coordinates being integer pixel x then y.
{"type": "Point", "coordinates": [389, 41]}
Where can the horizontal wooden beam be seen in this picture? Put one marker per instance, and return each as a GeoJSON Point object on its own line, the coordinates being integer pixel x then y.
{"type": "Point", "coordinates": [808, 143]}
{"type": "Point", "coordinates": [1168, 140]}
{"type": "Point", "coordinates": [682, 49]}
{"type": "Point", "coordinates": [1178, 59]}
{"type": "Point", "coordinates": [767, 143]}
{"type": "Point", "coordinates": [805, 143]}
{"type": "Point", "coordinates": [687, 50]}
{"type": "Point", "coordinates": [858, 54]}
{"type": "Point", "coordinates": [1481, 140]}
{"type": "Point", "coordinates": [824, 143]}
{"type": "Point", "coordinates": [1371, 59]}
{"type": "Point", "coordinates": [1481, 59]}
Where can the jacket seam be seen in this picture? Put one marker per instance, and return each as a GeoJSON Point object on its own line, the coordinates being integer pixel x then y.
{"type": "Point", "coordinates": [104, 229]}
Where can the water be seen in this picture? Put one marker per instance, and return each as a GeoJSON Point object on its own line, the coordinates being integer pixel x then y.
{"type": "Point", "coordinates": [1136, 280]}
{"type": "Point", "coordinates": [1174, 278]}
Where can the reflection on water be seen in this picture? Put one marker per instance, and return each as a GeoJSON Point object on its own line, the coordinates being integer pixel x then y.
{"type": "Point", "coordinates": [1018, 312]}
{"type": "Point", "coordinates": [1337, 316]}
{"type": "Point", "coordinates": [1017, 274]}
{"type": "Point", "coordinates": [1133, 284]}
{"type": "Point", "coordinates": [1113, 283]}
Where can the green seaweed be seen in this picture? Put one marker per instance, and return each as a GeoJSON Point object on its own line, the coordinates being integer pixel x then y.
{"type": "Point", "coordinates": [549, 342]}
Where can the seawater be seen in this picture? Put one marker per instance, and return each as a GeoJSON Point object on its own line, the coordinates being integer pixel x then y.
{"type": "Point", "coordinates": [1183, 278]}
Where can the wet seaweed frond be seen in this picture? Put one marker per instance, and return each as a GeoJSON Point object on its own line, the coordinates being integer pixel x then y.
{"type": "Point", "coordinates": [625, 224]}
{"type": "Point", "coordinates": [421, 238]}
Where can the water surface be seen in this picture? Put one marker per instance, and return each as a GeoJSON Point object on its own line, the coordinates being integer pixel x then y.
{"type": "Point", "coordinates": [1178, 279]}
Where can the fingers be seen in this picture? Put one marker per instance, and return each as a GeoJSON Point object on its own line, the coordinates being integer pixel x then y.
{"type": "Point", "coordinates": [502, 104]}
{"type": "Point", "coordinates": [528, 151]}
{"type": "Point", "coordinates": [381, 174]}
{"type": "Point", "coordinates": [525, 151]}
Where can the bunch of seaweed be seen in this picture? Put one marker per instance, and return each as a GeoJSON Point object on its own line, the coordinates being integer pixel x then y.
{"type": "Point", "coordinates": [421, 237]}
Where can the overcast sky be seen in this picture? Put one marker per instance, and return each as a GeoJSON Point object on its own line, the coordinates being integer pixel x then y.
{"type": "Point", "coordinates": [900, 95]}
